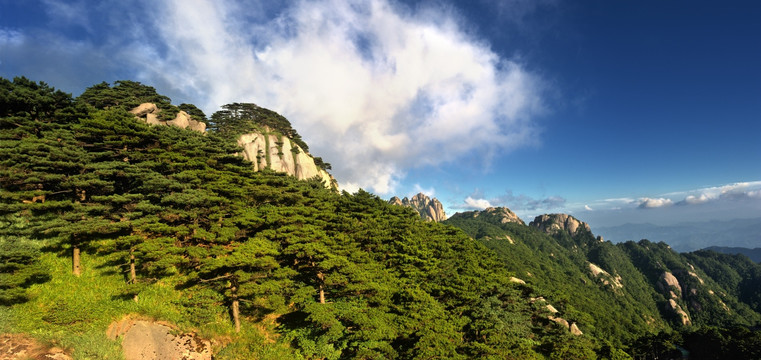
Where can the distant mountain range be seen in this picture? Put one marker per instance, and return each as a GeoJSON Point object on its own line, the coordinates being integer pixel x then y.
{"type": "Point", "coordinates": [691, 236]}
{"type": "Point", "coordinates": [753, 254]}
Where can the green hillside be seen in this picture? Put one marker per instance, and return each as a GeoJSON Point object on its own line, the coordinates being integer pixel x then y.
{"type": "Point", "coordinates": [620, 292]}
{"type": "Point", "coordinates": [105, 217]}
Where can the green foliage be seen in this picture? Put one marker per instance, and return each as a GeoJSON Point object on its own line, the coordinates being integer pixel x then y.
{"type": "Point", "coordinates": [239, 118]}
{"type": "Point", "coordinates": [175, 220]}
{"type": "Point", "coordinates": [20, 266]}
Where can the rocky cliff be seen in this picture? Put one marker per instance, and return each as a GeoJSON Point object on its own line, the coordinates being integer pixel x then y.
{"type": "Point", "coordinates": [149, 113]}
{"type": "Point", "coordinates": [554, 223]}
{"type": "Point", "coordinates": [265, 148]}
{"type": "Point", "coordinates": [494, 215]}
{"type": "Point", "coordinates": [269, 149]}
{"type": "Point", "coordinates": [429, 209]}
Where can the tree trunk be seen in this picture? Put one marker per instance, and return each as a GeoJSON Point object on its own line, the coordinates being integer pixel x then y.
{"type": "Point", "coordinates": [132, 272]}
{"type": "Point", "coordinates": [76, 268]}
{"type": "Point", "coordinates": [321, 277]}
{"type": "Point", "coordinates": [236, 315]}
{"type": "Point", "coordinates": [235, 305]}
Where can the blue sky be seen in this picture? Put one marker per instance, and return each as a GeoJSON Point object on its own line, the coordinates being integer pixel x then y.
{"type": "Point", "coordinates": [613, 111]}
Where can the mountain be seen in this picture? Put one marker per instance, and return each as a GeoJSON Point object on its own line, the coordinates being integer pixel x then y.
{"type": "Point", "coordinates": [618, 292]}
{"type": "Point", "coordinates": [265, 147]}
{"type": "Point", "coordinates": [428, 209]}
{"type": "Point", "coordinates": [753, 254]}
{"type": "Point", "coordinates": [118, 236]}
{"type": "Point", "coordinates": [554, 223]}
{"type": "Point", "coordinates": [111, 227]}
{"type": "Point", "coordinates": [691, 236]}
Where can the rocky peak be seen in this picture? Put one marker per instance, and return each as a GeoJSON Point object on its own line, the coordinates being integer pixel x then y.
{"type": "Point", "coordinates": [267, 148]}
{"type": "Point", "coordinates": [429, 209]}
{"type": "Point", "coordinates": [503, 215]}
{"type": "Point", "coordinates": [494, 215]}
{"type": "Point", "coordinates": [554, 223]}
{"type": "Point", "coordinates": [149, 113]}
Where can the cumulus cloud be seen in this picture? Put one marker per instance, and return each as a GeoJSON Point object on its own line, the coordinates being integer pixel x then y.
{"type": "Point", "coordinates": [375, 88]}
{"type": "Point", "coordinates": [729, 192]}
{"type": "Point", "coordinates": [650, 203]}
{"type": "Point", "coordinates": [588, 208]}
{"type": "Point", "coordinates": [475, 204]}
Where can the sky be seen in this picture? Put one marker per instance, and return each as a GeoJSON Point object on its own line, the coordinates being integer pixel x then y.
{"type": "Point", "coordinates": [612, 111]}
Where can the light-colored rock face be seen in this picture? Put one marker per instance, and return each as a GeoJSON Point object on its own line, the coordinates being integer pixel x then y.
{"type": "Point", "coordinates": [496, 215]}
{"type": "Point", "coordinates": [265, 150]}
{"type": "Point", "coordinates": [149, 113]}
{"type": "Point", "coordinates": [605, 277]}
{"type": "Point", "coordinates": [147, 340]}
{"type": "Point", "coordinates": [675, 308]}
{"type": "Point", "coordinates": [277, 152]}
{"type": "Point", "coordinates": [554, 223]}
{"type": "Point", "coordinates": [429, 209]}
{"type": "Point", "coordinates": [572, 328]}
{"type": "Point", "coordinates": [506, 215]}
{"type": "Point", "coordinates": [670, 282]}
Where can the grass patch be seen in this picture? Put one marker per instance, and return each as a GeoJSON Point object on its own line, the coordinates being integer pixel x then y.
{"type": "Point", "coordinates": [74, 313]}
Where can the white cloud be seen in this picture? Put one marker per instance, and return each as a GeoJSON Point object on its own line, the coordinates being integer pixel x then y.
{"type": "Point", "coordinates": [588, 208]}
{"type": "Point", "coordinates": [649, 203]}
{"type": "Point", "coordinates": [68, 13]}
{"type": "Point", "coordinates": [375, 89]}
{"type": "Point", "coordinates": [10, 37]}
{"type": "Point", "coordinates": [729, 192]}
{"type": "Point", "coordinates": [476, 204]}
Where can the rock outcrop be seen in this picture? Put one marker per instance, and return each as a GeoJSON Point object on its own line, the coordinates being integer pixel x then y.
{"type": "Point", "coordinates": [429, 209]}
{"type": "Point", "coordinates": [673, 307]}
{"type": "Point", "coordinates": [494, 215]}
{"type": "Point", "coordinates": [269, 149]}
{"type": "Point", "coordinates": [604, 277]}
{"type": "Point", "coordinates": [672, 290]}
{"type": "Point", "coordinates": [149, 113]}
{"type": "Point", "coordinates": [571, 327]}
{"type": "Point", "coordinates": [266, 149]}
{"type": "Point", "coordinates": [554, 223]}
{"type": "Point", "coordinates": [148, 340]}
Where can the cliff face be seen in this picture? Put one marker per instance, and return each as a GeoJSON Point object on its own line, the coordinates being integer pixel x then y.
{"type": "Point", "coordinates": [149, 113]}
{"type": "Point", "coordinates": [429, 209]}
{"type": "Point", "coordinates": [271, 150]}
{"type": "Point", "coordinates": [553, 223]}
{"type": "Point", "coordinates": [266, 149]}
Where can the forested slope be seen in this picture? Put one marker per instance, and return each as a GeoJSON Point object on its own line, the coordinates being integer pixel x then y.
{"type": "Point", "coordinates": [105, 216]}
{"type": "Point", "coordinates": [638, 295]}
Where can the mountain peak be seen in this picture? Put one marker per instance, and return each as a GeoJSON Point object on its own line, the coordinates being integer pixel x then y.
{"type": "Point", "coordinates": [554, 223]}
{"type": "Point", "coordinates": [430, 209]}
{"type": "Point", "coordinates": [495, 215]}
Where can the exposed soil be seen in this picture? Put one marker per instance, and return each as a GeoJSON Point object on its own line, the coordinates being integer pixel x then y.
{"type": "Point", "coordinates": [19, 346]}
